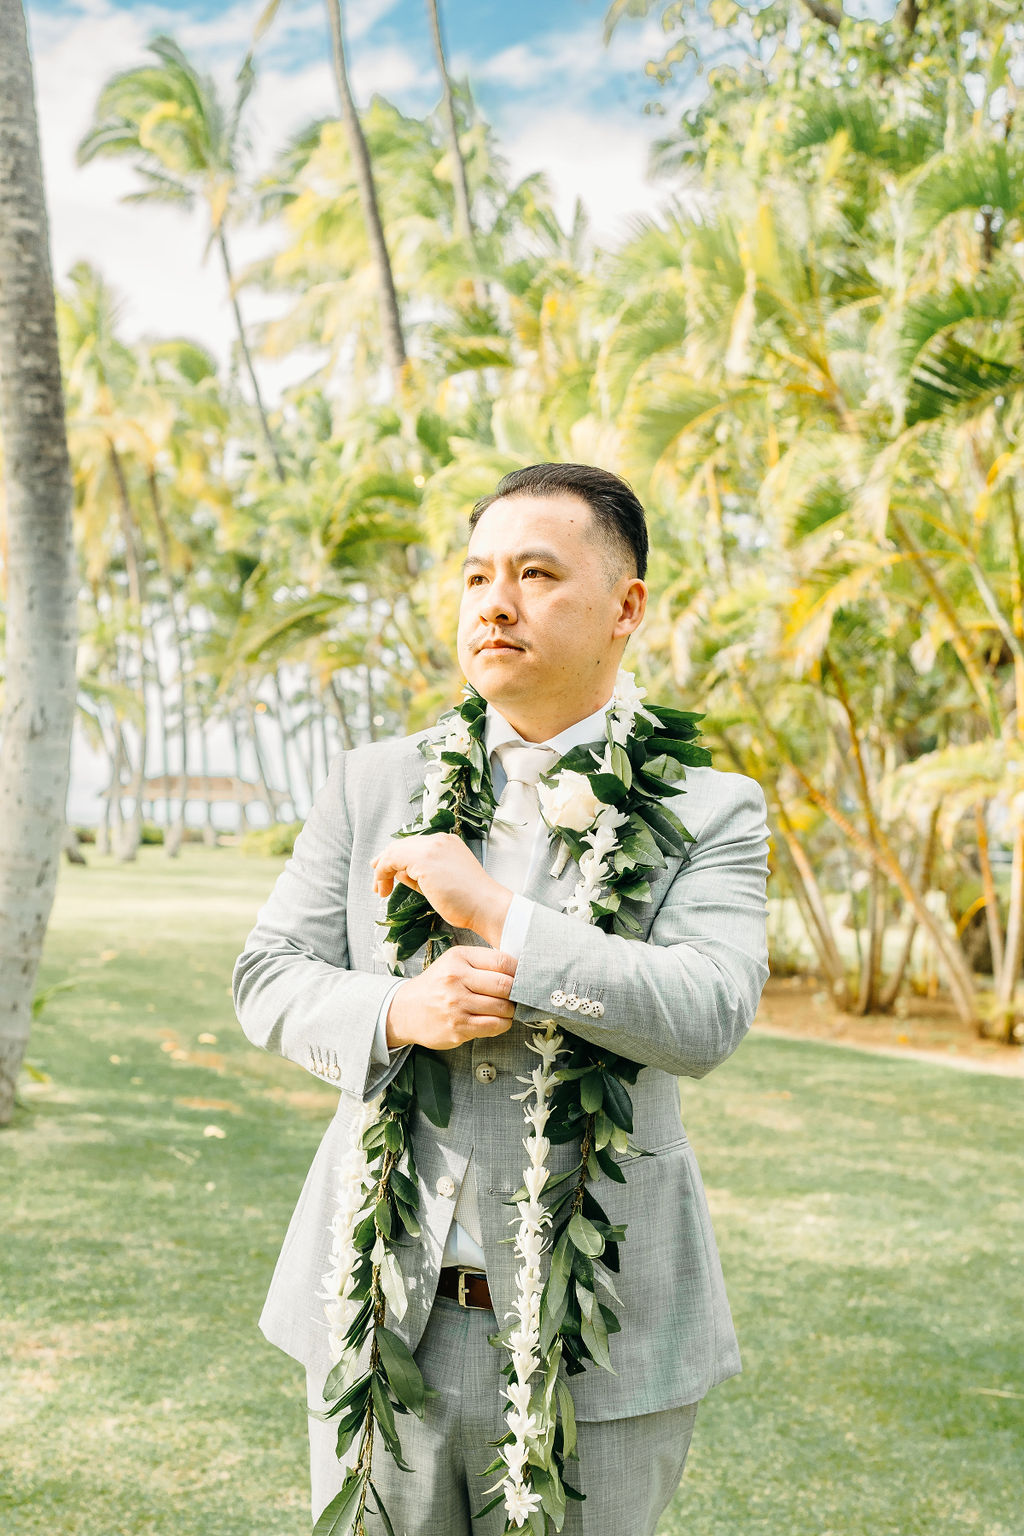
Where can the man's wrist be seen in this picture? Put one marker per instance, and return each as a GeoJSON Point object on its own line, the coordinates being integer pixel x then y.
{"type": "Point", "coordinates": [390, 1030]}
{"type": "Point", "coordinates": [490, 919]}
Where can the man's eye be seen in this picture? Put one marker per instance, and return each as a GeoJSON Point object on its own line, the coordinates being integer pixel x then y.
{"type": "Point", "coordinates": [533, 571]}
{"type": "Point", "coordinates": [471, 579]}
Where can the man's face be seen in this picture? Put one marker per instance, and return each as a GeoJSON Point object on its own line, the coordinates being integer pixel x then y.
{"type": "Point", "coordinates": [543, 617]}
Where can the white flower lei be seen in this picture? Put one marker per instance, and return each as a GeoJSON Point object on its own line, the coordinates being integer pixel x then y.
{"type": "Point", "coordinates": [354, 1178]}
{"type": "Point", "coordinates": [528, 1421]}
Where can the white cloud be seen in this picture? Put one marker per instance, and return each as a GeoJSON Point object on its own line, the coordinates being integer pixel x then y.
{"type": "Point", "coordinates": [598, 157]}
{"type": "Point", "coordinates": [577, 60]}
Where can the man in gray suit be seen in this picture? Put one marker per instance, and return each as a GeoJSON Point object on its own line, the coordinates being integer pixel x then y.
{"type": "Point", "coordinates": [553, 587]}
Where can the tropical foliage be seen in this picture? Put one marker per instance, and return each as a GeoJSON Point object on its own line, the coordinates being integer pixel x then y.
{"type": "Point", "coordinates": [810, 364]}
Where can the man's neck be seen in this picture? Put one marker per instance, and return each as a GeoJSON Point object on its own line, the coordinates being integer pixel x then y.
{"type": "Point", "coordinates": [537, 726]}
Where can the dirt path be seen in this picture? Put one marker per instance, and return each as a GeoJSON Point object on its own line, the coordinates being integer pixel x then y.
{"type": "Point", "coordinates": [796, 1008]}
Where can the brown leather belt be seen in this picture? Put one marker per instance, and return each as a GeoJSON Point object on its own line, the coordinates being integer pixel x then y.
{"type": "Point", "coordinates": [466, 1286]}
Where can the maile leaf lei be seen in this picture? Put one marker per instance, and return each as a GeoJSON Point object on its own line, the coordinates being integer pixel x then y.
{"type": "Point", "coordinates": [603, 802]}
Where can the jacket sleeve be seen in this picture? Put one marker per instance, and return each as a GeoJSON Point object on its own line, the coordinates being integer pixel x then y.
{"type": "Point", "coordinates": [683, 1000]}
{"type": "Point", "coordinates": [293, 989]}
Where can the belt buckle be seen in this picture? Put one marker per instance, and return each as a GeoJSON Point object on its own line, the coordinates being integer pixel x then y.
{"type": "Point", "coordinates": [464, 1270]}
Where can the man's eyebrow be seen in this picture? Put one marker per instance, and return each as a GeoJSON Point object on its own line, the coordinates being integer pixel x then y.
{"type": "Point", "coordinates": [522, 557]}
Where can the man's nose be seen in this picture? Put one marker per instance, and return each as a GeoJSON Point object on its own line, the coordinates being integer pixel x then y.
{"type": "Point", "coordinates": [498, 606]}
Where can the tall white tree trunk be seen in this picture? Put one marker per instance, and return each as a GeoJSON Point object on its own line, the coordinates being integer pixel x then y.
{"type": "Point", "coordinates": [391, 320]}
{"type": "Point", "coordinates": [40, 699]}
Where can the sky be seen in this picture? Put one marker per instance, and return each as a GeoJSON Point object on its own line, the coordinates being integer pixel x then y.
{"type": "Point", "coordinates": [561, 100]}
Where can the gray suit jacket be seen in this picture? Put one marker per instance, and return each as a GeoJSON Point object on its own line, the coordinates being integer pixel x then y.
{"type": "Point", "coordinates": [309, 983]}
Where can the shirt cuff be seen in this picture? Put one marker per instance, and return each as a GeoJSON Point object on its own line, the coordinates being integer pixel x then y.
{"type": "Point", "coordinates": [379, 1051]}
{"type": "Point", "coordinates": [517, 921]}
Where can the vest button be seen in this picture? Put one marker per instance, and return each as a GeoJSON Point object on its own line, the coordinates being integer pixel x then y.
{"type": "Point", "coordinates": [485, 1072]}
{"type": "Point", "coordinates": [445, 1186]}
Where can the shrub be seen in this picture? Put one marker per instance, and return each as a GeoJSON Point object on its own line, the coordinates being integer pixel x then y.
{"type": "Point", "coordinates": [277, 841]}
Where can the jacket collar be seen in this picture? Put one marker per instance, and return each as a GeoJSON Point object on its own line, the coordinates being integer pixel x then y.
{"type": "Point", "coordinates": [498, 732]}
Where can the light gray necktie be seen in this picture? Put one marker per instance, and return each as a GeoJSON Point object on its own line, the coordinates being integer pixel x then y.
{"type": "Point", "coordinates": [509, 847]}
{"type": "Point", "coordinates": [507, 860]}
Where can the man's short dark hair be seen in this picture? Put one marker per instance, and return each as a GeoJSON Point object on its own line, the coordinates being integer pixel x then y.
{"type": "Point", "coordinates": [617, 510]}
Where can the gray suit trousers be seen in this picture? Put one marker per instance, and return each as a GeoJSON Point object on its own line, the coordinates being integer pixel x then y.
{"type": "Point", "coordinates": [629, 1469]}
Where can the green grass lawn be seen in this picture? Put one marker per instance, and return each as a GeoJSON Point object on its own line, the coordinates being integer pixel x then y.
{"type": "Point", "coordinates": [869, 1215]}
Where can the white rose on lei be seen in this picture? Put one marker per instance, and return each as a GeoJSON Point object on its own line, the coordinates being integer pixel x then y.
{"type": "Point", "coordinates": [569, 802]}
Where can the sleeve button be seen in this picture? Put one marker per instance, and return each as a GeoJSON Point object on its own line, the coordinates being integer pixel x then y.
{"type": "Point", "coordinates": [558, 998]}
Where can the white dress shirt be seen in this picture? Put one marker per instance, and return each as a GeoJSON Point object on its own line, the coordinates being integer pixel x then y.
{"type": "Point", "coordinates": [460, 1247]}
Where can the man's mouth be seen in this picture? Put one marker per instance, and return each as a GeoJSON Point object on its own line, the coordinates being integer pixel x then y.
{"type": "Point", "coordinates": [498, 645]}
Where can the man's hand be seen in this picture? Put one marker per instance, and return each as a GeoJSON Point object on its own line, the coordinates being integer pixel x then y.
{"type": "Point", "coordinates": [450, 876]}
{"type": "Point", "coordinates": [463, 996]}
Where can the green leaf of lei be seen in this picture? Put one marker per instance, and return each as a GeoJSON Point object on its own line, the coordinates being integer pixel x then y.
{"type": "Point", "coordinates": [433, 1089]}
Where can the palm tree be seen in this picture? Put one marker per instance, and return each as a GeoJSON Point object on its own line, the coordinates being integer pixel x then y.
{"type": "Point", "coordinates": [100, 373]}
{"type": "Point", "coordinates": [805, 371]}
{"type": "Point", "coordinates": [40, 691]}
{"type": "Point", "coordinates": [169, 119]}
{"type": "Point", "coordinates": [391, 320]}
{"type": "Point", "coordinates": [460, 183]}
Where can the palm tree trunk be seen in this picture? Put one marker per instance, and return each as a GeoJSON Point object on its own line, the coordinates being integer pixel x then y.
{"type": "Point", "coordinates": [268, 798]}
{"type": "Point", "coordinates": [1013, 955]}
{"type": "Point", "coordinates": [460, 181]}
{"type": "Point", "coordinates": [820, 926]}
{"type": "Point", "coordinates": [961, 641]}
{"type": "Point", "coordinates": [243, 805]}
{"type": "Point", "coordinates": [993, 917]}
{"type": "Point", "coordinates": [133, 555]}
{"type": "Point", "coordinates": [391, 320]}
{"type": "Point", "coordinates": [922, 879]}
{"type": "Point", "coordinates": [209, 828]}
{"type": "Point", "coordinates": [880, 853]}
{"type": "Point", "coordinates": [174, 831]}
{"type": "Point", "coordinates": [161, 729]}
{"type": "Point", "coordinates": [341, 714]}
{"type": "Point", "coordinates": [222, 246]}
{"type": "Point", "coordinates": [40, 625]}
{"type": "Point", "coordinates": [871, 973]}
{"type": "Point", "coordinates": [829, 15]}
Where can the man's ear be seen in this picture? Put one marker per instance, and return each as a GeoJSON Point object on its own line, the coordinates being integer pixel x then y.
{"type": "Point", "coordinates": [633, 607]}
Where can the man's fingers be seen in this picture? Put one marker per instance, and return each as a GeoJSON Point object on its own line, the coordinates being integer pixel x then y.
{"type": "Point", "coordinates": [483, 1025]}
{"type": "Point", "coordinates": [488, 984]}
{"type": "Point", "coordinates": [493, 1006]}
{"type": "Point", "coordinates": [491, 959]}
